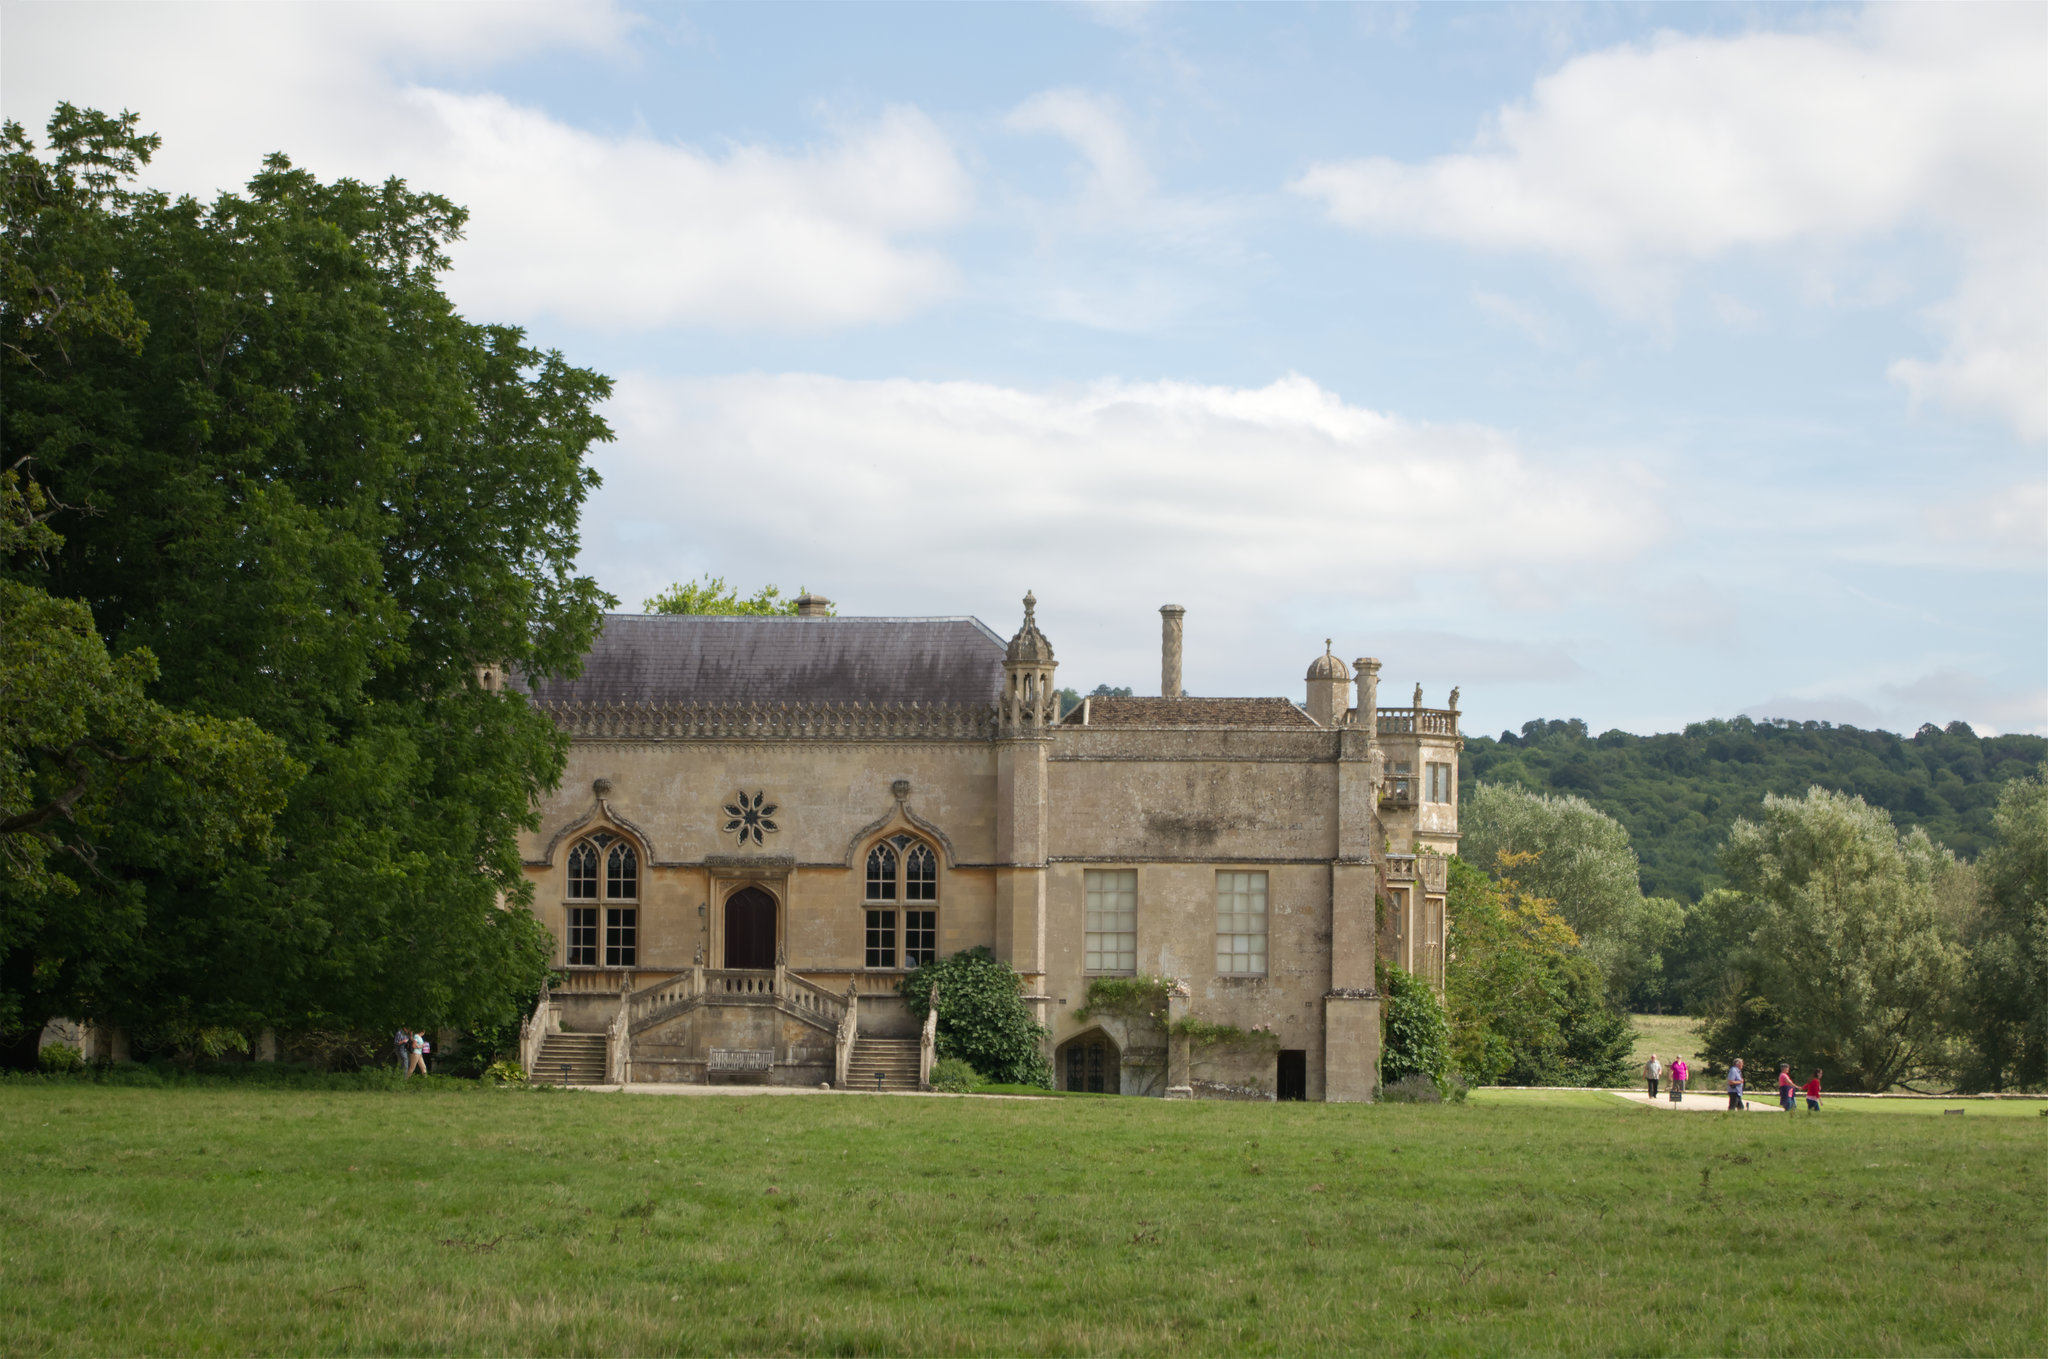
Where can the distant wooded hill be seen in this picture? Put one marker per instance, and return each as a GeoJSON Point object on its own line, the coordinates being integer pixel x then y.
{"type": "Point", "coordinates": [1678, 792]}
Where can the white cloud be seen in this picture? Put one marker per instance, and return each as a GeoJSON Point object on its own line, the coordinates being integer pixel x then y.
{"type": "Point", "coordinates": [1118, 181]}
{"type": "Point", "coordinates": [1947, 693]}
{"type": "Point", "coordinates": [2008, 528]}
{"type": "Point", "coordinates": [908, 496]}
{"type": "Point", "coordinates": [612, 231]}
{"type": "Point", "coordinates": [1638, 160]}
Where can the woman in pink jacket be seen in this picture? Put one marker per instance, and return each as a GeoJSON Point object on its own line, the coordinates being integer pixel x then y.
{"type": "Point", "coordinates": [1679, 1071]}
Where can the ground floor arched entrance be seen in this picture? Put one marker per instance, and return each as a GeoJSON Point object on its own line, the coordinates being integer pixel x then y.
{"type": "Point", "coordinates": [1090, 1062]}
{"type": "Point", "coordinates": [750, 929]}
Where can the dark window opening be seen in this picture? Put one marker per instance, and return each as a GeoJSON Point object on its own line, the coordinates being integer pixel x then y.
{"type": "Point", "coordinates": [622, 874]}
{"type": "Point", "coordinates": [881, 874]}
{"type": "Point", "coordinates": [583, 935]}
{"type": "Point", "coordinates": [881, 938]}
{"type": "Point", "coordinates": [583, 872]}
{"type": "Point", "coordinates": [621, 937]}
{"type": "Point", "coordinates": [920, 937]}
{"type": "Point", "coordinates": [1293, 1082]}
{"type": "Point", "coordinates": [920, 875]}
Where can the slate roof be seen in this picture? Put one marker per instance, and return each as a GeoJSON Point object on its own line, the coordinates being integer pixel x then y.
{"type": "Point", "coordinates": [695, 658]}
{"type": "Point", "coordinates": [1191, 712]}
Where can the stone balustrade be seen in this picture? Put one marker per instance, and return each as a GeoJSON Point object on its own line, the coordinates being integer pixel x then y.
{"type": "Point", "coordinates": [740, 986]}
{"type": "Point", "coordinates": [1418, 722]}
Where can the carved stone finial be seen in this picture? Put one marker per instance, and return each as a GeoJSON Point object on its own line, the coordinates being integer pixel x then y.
{"type": "Point", "coordinates": [1454, 698]}
{"type": "Point", "coordinates": [1030, 603]}
{"type": "Point", "coordinates": [900, 789]}
{"type": "Point", "coordinates": [1418, 696]}
{"type": "Point", "coordinates": [601, 787]}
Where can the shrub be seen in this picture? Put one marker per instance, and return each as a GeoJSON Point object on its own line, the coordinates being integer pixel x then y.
{"type": "Point", "coordinates": [505, 1072]}
{"type": "Point", "coordinates": [1412, 1089]}
{"type": "Point", "coordinates": [1417, 1034]}
{"type": "Point", "coordinates": [60, 1057]}
{"type": "Point", "coordinates": [982, 1016]}
{"type": "Point", "coordinates": [954, 1076]}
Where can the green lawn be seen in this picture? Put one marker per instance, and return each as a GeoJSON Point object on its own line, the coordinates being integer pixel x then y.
{"type": "Point", "coordinates": [1668, 1036]}
{"type": "Point", "coordinates": [506, 1221]}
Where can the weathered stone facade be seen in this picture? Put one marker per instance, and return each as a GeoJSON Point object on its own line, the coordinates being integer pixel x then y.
{"type": "Point", "coordinates": [803, 806]}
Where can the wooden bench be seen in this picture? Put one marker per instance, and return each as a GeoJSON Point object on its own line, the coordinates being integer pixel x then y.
{"type": "Point", "coordinates": [741, 1059]}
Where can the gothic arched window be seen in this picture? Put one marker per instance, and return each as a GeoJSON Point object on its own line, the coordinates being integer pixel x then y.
{"type": "Point", "coordinates": [902, 868]}
{"type": "Point", "coordinates": [621, 922]}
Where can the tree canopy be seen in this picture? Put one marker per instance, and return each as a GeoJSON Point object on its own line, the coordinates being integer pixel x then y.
{"type": "Point", "coordinates": [296, 491]}
{"type": "Point", "coordinates": [1678, 793]}
{"type": "Point", "coordinates": [712, 595]}
{"type": "Point", "coordinates": [1841, 948]}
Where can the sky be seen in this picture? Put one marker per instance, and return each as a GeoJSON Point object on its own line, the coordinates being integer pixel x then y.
{"type": "Point", "coordinates": [1641, 364]}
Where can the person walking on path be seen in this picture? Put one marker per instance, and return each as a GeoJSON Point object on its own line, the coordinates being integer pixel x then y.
{"type": "Point", "coordinates": [1813, 1093]}
{"type": "Point", "coordinates": [401, 1044]}
{"type": "Point", "coordinates": [1735, 1085]}
{"type": "Point", "coordinates": [1653, 1071]}
{"type": "Point", "coordinates": [1679, 1071]}
{"type": "Point", "coordinates": [419, 1053]}
{"type": "Point", "coordinates": [1786, 1097]}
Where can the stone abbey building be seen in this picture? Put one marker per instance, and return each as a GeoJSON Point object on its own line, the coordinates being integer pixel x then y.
{"type": "Point", "coordinates": [766, 821]}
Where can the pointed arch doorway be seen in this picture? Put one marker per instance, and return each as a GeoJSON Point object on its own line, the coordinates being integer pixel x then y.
{"type": "Point", "coordinates": [750, 929]}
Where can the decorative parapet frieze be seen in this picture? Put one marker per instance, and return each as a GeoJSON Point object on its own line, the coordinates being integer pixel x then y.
{"type": "Point", "coordinates": [773, 721]}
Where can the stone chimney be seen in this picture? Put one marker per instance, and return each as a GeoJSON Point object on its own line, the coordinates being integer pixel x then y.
{"type": "Point", "coordinates": [1368, 671]}
{"type": "Point", "coordinates": [809, 605]}
{"type": "Point", "coordinates": [1169, 649]}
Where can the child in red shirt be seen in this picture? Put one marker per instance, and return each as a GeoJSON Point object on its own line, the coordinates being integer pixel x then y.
{"type": "Point", "coordinates": [1813, 1093]}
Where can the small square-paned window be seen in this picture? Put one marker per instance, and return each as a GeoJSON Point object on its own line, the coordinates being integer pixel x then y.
{"type": "Point", "coordinates": [920, 938]}
{"type": "Point", "coordinates": [621, 936]}
{"type": "Point", "coordinates": [583, 936]}
{"type": "Point", "coordinates": [1111, 929]}
{"type": "Point", "coordinates": [1439, 783]}
{"type": "Point", "coordinates": [1241, 923]}
{"type": "Point", "coordinates": [881, 950]}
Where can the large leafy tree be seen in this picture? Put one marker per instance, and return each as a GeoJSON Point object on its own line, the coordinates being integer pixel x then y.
{"type": "Point", "coordinates": [1845, 952]}
{"type": "Point", "coordinates": [1526, 1005]}
{"type": "Point", "coordinates": [1575, 855]}
{"type": "Point", "coordinates": [328, 505]}
{"type": "Point", "coordinates": [1679, 792]}
{"type": "Point", "coordinates": [2005, 997]}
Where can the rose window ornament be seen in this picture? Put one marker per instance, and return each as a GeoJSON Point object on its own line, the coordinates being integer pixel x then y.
{"type": "Point", "coordinates": [750, 818]}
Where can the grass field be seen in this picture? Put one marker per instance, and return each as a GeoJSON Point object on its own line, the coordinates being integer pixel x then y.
{"type": "Point", "coordinates": [1668, 1036]}
{"type": "Point", "coordinates": [500, 1221]}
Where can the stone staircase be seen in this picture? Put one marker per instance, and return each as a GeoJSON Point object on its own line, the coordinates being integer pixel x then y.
{"type": "Point", "coordinates": [584, 1054]}
{"type": "Point", "coordinates": [893, 1059]}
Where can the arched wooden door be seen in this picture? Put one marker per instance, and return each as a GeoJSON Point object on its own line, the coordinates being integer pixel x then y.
{"type": "Point", "coordinates": [750, 928]}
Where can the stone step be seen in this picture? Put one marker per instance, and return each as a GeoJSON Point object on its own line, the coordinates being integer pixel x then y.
{"type": "Point", "coordinates": [584, 1054]}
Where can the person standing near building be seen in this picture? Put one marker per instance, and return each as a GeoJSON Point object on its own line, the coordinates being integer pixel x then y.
{"type": "Point", "coordinates": [1786, 1099]}
{"type": "Point", "coordinates": [1813, 1092]}
{"type": "Point", "coordinates": [1735, 1085]}
{"type": "Point", "coordinates": [401, 1045]}
{"type": "Point", "coordinates": [1679, 1071]}
{"type": "Point", "coordinates": [419, 1053]}
{"type": "Point", "coordinates": [1653, 1071]}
